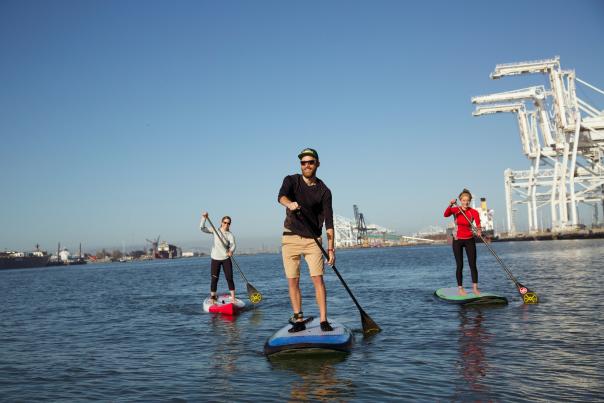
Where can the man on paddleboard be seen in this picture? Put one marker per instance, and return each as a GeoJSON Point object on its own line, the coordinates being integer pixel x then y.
{"type": "Point", "coordinates": [220, 255]}
{"type": "Point", "coordinates": [308, 205]}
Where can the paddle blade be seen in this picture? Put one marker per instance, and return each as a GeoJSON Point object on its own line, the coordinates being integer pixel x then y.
{"type": "Point", "coordinates": [369, 326]}
{"type": "Point", "coordinates": [528, 296]}
{"type": "Point", "coordinates": [254, 294]}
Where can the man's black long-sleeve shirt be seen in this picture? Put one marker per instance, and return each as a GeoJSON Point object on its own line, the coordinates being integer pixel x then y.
{"type": "Point", "coordinates": [315, 202]}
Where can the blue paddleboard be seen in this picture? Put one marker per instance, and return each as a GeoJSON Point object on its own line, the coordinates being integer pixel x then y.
{"type": "Point", "coordinates": [311, 340]}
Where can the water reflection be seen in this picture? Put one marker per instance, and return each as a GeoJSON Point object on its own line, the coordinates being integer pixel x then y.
{"type": "Point", "coordinates": [317, 377]}
{"type": "Point", "coordinates": [473, 340]}
{"type": "Point", "coordinates": [226, 349]}
{"type": "Point", "coordinates": [256, 317]}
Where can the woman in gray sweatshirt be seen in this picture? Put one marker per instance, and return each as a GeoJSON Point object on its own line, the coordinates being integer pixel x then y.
{"type": "Point", "coordinates": [222, 250]}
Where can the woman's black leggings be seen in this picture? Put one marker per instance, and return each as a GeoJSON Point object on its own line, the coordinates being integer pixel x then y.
{"type": "Point", "coordinates": [227, 266]}
{"type": "Point", "coordinates": [470, 245]}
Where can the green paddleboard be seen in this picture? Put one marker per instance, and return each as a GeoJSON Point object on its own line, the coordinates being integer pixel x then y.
{"type": "Point", "coordinates": [451, 295]}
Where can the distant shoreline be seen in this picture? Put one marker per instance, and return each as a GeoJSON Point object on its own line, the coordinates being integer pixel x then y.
{"type": "Point", "coordinates": [553, 236]}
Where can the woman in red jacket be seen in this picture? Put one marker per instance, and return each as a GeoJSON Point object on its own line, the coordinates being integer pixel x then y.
{"type": "Point", "coordinates": [463, 237]}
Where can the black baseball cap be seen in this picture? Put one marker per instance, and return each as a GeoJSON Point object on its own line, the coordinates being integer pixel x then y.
{"type": "Point", "coordinates": [309, 151]}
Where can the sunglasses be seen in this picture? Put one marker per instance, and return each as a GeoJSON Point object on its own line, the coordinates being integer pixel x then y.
{"type": "Point", "coordinates": [226, 222]}
{"type": "Point", "coordinates": [309, 162]}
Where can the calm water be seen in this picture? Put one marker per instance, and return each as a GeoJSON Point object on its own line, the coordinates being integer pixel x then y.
{"type": "Point", "coordinates": [136, 331]}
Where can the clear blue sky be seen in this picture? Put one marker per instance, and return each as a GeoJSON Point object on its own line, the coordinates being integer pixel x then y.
{"type": "Point", "coordinates": [123, 120]}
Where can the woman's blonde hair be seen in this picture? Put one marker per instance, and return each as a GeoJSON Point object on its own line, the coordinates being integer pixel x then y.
{"type": "Point", "coordinates": [465, 192]}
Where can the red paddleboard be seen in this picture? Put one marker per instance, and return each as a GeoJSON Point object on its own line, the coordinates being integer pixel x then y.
{"type": "Point", "coordinates": [224, 305]}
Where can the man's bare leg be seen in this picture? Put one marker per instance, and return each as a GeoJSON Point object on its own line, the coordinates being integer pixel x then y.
{"type": "Point", "coordinates": [320, 296]}
{"type": "Point", "coordinates": [295, 296]}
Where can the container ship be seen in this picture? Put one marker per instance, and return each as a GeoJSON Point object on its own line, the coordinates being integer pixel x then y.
{"type": "Point", "coordinates": [23, 260]}
{"type": "Point", "coordinates": [167, 251]}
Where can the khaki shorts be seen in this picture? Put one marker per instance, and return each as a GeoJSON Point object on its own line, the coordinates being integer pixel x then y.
{"type": "Point", "coordinates": [293, 247]}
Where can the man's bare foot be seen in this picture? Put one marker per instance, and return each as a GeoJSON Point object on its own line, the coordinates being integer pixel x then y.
{"type": "Point", "coordinates": [461, 291]}
{"type": "Point", "coordinates": [475, 290]}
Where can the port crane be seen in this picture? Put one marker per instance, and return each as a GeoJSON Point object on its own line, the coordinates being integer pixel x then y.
{"type": "Point", "coordinates": [361, 227]}
{"type": "Point", "coordinates": [154, 246]}
{"type": "Point", "coordinates": [561, 134]}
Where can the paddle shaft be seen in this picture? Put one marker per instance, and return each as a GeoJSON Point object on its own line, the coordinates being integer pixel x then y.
{"type": "Point", "coordinates": [338, 274]}
{"type": "Point", "coordinates": [369, 325]}
{"type": "Point", "coordinates": [509, 273]}
{"type": "Point", "coordinates": [528, 296]}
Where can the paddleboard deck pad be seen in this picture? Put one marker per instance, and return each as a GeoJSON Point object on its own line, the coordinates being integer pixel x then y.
{"type": "Point", "coordinates": [451, 295]}
{"type": "Point", "coordinates": [224, 305]}
{"type": "Point", "coordinates": [311, 340]}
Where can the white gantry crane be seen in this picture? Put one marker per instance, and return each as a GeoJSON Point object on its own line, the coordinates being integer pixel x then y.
{"type": "Point", "coordinates": [562, 135]}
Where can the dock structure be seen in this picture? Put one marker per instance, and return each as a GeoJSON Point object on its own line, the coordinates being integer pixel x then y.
{"type": "Point", "coordinates": [562, 136]}
{"type": "Point", "coordinates": [354, 233]}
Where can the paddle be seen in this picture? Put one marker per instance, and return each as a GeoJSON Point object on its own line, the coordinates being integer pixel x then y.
{"type": "Point", "coordinates": [369, 325]}
{"type": "Point", "coordinates": [528, 296]}
{"type": "Point", "coordinates": [253, 294]}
